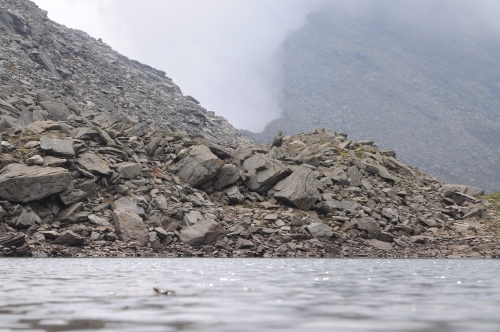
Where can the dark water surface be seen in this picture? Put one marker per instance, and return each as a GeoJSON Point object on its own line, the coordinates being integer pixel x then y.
{"type": "Point", "coordinates": [249, 295]}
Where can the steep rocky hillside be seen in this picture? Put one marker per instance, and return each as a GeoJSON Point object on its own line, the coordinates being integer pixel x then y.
{"type": "Point", "coordinates": [48, 71]}
{"type": "Point", "coordinates": [431, 95]}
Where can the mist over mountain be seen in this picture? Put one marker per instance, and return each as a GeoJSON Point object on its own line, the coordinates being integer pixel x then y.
{"type": "Point", "coordinates": [428, 89]}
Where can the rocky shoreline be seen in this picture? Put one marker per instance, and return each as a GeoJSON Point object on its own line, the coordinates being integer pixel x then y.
{"type": "Point", "coordinates": [102, 156]}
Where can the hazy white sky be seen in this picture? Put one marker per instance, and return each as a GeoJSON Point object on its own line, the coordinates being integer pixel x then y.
{"type": "Point", "coordinates": [224, 52]}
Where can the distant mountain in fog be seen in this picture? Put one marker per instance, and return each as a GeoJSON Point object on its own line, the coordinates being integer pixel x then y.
{"type": "Point", "coordinates": [432, 95]}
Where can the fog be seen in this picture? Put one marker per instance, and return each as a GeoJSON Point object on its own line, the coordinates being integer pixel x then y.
{"type": "Point", "coordinates": [225, 53]}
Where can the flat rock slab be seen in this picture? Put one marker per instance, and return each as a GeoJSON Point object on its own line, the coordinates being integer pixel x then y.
{"type": "Point", "coordinates": [25, 184]}
{"type": "Point", "coordinates": [227, 176]}
{"type": "Point", "coordinates": [57, 111]}
{"type": "Point", "coordinates": [57, 147]}
{"type": "Point", "coordinates": [199, 166]}
{"type": "Point", "coordinates": [204, 232]}
{"type": "Point", "coordinates": [129, 204]}
{"type": "Point", "coordinates": [94, 164]}
{"type": "Point", "coordinates": [129, 170]}
{"type": "Point", "coordinates": [130, 227]}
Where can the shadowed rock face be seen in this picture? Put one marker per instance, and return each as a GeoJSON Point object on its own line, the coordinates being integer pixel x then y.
{"type": "Point", "coordinates": [401, 85]}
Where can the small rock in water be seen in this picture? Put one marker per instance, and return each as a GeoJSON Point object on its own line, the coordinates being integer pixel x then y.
{"type": "Point", "coordinates": [166, 292]}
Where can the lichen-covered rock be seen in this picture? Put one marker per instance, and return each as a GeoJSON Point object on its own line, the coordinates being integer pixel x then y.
{"type": "Point", "coordinates": [22, 183]}
{"type": "Point", "coordinates": [203, 232]}
{"type": "Point", "coordinates": [199, 166]}
{"type": "Point", "coordinates": [299, 189]}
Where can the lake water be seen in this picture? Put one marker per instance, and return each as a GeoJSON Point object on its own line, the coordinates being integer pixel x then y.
{"type": "Point", "coordinates": [249, 295]}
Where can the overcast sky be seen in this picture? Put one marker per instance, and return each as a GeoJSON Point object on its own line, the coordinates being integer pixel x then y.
{"type": "Point", "coordinates": [225, 52]}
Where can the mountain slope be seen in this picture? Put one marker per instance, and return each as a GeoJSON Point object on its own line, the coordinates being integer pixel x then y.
{"type": "Point", "coordinates": [86, 75]}
{"type": "Point", "coordinates": [431, 95]}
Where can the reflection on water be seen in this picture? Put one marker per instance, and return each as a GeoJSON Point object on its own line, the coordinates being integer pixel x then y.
{"type": "Point", "coordinates": [249, 295]}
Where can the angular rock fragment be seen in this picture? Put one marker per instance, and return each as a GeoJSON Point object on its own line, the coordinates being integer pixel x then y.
{"type": "Point", "coordinates": [57, 147]}
{"type": "Point", "coordinates": [320, 230]}
{"type": "Point", "coordinates": [94, 164]}
{"type": "Point", "coordinates": [263, 172]}
{"type": "Point", "coordinates": [129, 204]}
{"type": "Point", "coordinates": [227, 176]}
{"type": "Point", "coordinates": [199, 166]}
{"type": "Point", "coordinates": [56, 110]}
{"type": "Point", "coordinates": [234, 195]}
{"type": "Point", "coordinates": [70, 239]}
{"type": "Point", "coordinates": [299, 189]}
{"type": "Point", "coordinates": [21, 183]}
{"type": "Point", "coordinates": [204, 232]}
{"type": "Point", "coordinates": [129, 170]}
{"type": "Point", "coordinates": [26, 220]}
{"type": "Point", "coordinates": [129, 227]}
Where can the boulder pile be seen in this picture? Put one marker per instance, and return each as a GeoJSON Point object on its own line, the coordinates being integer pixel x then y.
{"type": "Point", "coordinates": [121, 192]}
{"type": "Point", "coordinates": [101, 155]}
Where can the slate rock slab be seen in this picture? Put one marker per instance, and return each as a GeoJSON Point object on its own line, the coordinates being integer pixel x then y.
{"type": "Point", "coordinates": [25, 184]}
{"type": "Point", "coordinates": [130, 227]}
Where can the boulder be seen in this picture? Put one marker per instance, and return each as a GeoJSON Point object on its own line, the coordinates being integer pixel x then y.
{"type": "Point", "coordinates": [26, 220]}
{"type": "Point", "coordinates": [22, 183]}
{"type": "Point", "coordinates": [57, 147]}
{"type": "Point", "coordinates": [129, 204]}
{"type": "Point", "coordinates": [12, 240]}
{"type": "Point", "coordinates": [263, 172]}
{"type": "Point", "coordinates": [72, 195]}
{"type": "Point", "coordinates": [299, 189]}
{"type": "Point", "coordinates": [70, 239]}
{"type": "Point", "coordinates": [206, 231]}
{"type": "Point", "coordinates": [320, 231]}
{"type": "Point", "coordinates": [227, 176]}
{"type": "Point", "coordinates": [129, 170]}
{"type": "Point", "coordinates": [234, 195]}
{"type": "Point", "coordinates": [192, 217]}
{"type": "Point", "coordinates": [449, 189]}
{"type": "Point", "coordinates": [354, 176]}
{"type": "Point", "coordinates": [36, 160]}
{"type": "Point", "coordinates": [130, 227]}
{"type": "Point", "coordinates": [199, 166]}
{"type": "Point", "coordinates": [94, 164]}
{"type": "Point", "coordinates": [56, 110]}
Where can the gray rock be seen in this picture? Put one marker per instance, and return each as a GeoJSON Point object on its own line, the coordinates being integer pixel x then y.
{"type": "Point", "coordinates": [57, 111]}
{"type": "Point", "coordinates": [94, 164]}
{"type": "Point", "coordinates": [320, 231]}
{"type": "Point", "coordinates": [333, 205]}
{"type": "Point", "coordinates": [354, 176]}
{"type": "Point", "coordinates": [129, 170]}
{"type": "Point", "coordinates": [129, 204]}
{"type": "Point", "coordinates": [72, 195]}
{"type": "Point", "coordinates": [370, 226]}
{"type": "Point", "coordinates": [57, 147]}
{"type": "Point", "coordinates": [234, 195]}
{"type": "Point", "coordinates": [243, 244]}
{"type": "Point", "coordinates": [199, 166]}
{"type": "Point", "coordinates": [130, 227]}
{"type": "Point", "coordinates": [263, 172]}
{"type": "Point", "coordinates": [21, 183]}
{"type": "Point", "coordinates": [227, 176]}
{"type": "Point", "coordinates": [299, 189]}
{"type": "Point", "coordinates": [70, 239]}
{"type": "Point", "coordinates": [192, 217]}
{"type": "Point", "coordinates": [36, 160]}
{"type": "Point", "coordinates": [204, 232]}
{"type": "Point", "coordinates": [26, 220]}
{"type": "Point", "coordinates": [73, 214]}
{"type": "Point", "coordinates": [50, 235]}
{"type": "Point", "coordinates": [3, 213]}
